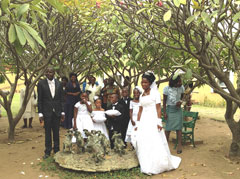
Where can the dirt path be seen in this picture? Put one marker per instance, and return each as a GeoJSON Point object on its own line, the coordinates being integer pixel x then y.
{"type": "Point", "coordinates": [207, 160]}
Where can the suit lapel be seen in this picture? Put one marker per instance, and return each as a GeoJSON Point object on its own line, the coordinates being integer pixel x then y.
{"type": "Point", "coordinates": [56, 87]}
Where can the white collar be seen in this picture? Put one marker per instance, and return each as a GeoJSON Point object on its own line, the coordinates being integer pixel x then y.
{"type": "Point", "coordinates": [51, 81]}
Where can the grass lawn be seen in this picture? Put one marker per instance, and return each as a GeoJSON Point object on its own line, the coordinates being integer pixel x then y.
{"type": "Point", "coordinates": [15, 105]}
{"type": "Point", "coordinates": [215, 113]}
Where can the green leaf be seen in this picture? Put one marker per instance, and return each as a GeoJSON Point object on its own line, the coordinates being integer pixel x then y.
{"type": "Point", "coordinates": [138, 55]}
{"type": "Point", "coordinates": [141, 44]}
{"type": "Point", "coordinates": [56, 4]}
{"type": "Point", "coordinates": [33, 33]}
{"type": "Point", "coordinates": [4, 18]}
{"type": "Point", "coordinates": [34, 2]}
{"type": "Point", "coordinates": [190, 19]}
{"type": "Point", "coordinates": [20, 35]}
{"type": "Point", "coordinates": [123, 45]}
{"type": "Point", "coordinates": [167, 15]}
{"type": "Point", "coordinates": [176, 2]}
{"type": "Point", "coordinates": [188, 74]}
{"type": "Point", "coordinates": [5, 4]}
{"type": "Point", "coordinates": [209, 36]}
{"type": "Point", "coordinates": [188, 61]}
{"type": "Point", "coordinates": [18, 47]}
{"type": "Point", "coordinates": [141, 10]}
{"type": "Point", "coordinates": [30, 40]}
{"type": "Point", "coordinates": [206, 19]}
{"type": "Point", "coordinates": [12, 34]}
{"type": "Point", "coordinates": [22, 9]}
{"type": "Point", "coordinates": [236, 17]}
{"type": "Point", "coordinates": [183, 2]}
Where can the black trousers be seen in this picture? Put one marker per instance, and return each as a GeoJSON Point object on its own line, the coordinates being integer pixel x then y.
{"type": "Point", "coordinates": [51, 125]}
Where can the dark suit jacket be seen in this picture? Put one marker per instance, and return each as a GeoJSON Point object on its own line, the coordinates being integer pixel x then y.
{"type": "Point", "coordinates": [116, 122]}
{"type": "Point", "coordinates": [126, 110]}
{"type": "Point", "coordinates": [47, 104]}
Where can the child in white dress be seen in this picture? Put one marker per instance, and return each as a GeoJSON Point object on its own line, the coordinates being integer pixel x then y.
{"type": "Point", "coordinates": [134, 107]}
{"type": "Point", "coordinates": [98, 117]}
{"type": "Point", "coordinates": [82, 118]}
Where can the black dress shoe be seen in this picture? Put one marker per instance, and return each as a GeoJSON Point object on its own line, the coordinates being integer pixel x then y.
{"type": "Point", "coordinates": [46, 156]}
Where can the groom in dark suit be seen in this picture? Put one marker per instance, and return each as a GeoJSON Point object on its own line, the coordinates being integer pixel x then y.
{"type": "Point", "coordinates": [115, 123]}
{"type": "Point", "coordinates": [50, 109]}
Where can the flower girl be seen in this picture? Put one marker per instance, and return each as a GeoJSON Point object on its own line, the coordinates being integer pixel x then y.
{"type": "Point", "coordinates": [98, 117]}
{"type": "Point", "coordinates": [134, 107]}
{"type": "Point", "coordinates": [82, 118]}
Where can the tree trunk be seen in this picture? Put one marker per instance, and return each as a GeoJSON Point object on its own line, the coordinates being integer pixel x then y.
{"type": "Point", "coordinates": [11, 132]}
{"type": "Point", "coordinates": [235, 129]}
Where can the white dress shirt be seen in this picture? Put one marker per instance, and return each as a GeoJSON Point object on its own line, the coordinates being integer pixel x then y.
{"type": "Point", "coordinates": [51, 85]}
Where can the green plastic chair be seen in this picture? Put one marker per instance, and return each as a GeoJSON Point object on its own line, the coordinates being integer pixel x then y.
{"type": "Point", "coordinates": [188, 128]}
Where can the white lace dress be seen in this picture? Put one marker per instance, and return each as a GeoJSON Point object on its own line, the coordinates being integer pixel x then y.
{"type": "Point", "coordinates": [151, 145]}
{"type": "Point", "coordinates": [135, 107]}
{"type": "Point", "coordinates": [84, 120]}
{"type": "Point", "coordinates": [99, 118]}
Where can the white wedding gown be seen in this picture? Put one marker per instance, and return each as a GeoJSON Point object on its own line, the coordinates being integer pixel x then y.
{"type": "Point", "coordinates": [151, 145]}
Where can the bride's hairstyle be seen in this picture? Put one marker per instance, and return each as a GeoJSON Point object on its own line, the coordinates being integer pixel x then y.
{"type": "Point", "coordinates": [149, 76]}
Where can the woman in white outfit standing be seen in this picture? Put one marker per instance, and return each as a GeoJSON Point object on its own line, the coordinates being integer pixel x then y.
{"type": "Point", "coordinates": [151, 145]}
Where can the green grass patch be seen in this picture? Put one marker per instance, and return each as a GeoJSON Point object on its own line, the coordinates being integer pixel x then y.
{"type": "Point", "coordinates": [15, 105]}
{"type": "Point", "coordinates": [53, 168]}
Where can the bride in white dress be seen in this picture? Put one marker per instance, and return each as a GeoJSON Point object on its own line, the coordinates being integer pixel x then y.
{"type": "Point", "coordinates": [151, 145]}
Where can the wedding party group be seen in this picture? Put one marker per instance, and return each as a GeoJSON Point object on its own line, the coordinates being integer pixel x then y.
{"type": "Point", "coordinates": [109, 110]}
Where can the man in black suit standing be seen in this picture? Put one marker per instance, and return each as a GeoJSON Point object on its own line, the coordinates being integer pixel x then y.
{"type": "Point", "coordinates": [50, 109]}
{"type": "Point", "coordinates": [125, 101]}
{"type": "Point", "coordinates": [114, 123]}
